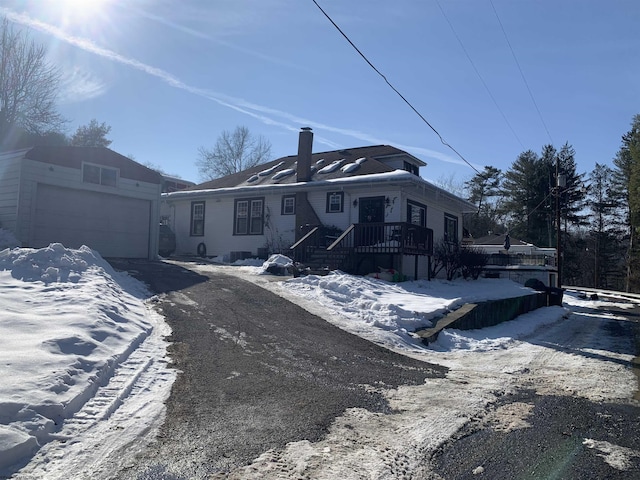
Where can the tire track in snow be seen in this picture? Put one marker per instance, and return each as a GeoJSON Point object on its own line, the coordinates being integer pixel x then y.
{"type": "Point", "coordinates": [118, 417]}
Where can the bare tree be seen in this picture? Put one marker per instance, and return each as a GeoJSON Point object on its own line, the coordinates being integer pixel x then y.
{"type": "Point", "coordinates": [28, 86]}
{"type": "Point", "coordinates": [233, 152]}
{"type": "Point", "coordinates": [93, 134]}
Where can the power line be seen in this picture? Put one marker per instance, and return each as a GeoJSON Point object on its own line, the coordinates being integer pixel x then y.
{"type": "Point", "coordinates": [393, 88]}
{"type": "Point", "coordinates": [521, 72]}
{"type": "Point", "coordinates": [479, 75]}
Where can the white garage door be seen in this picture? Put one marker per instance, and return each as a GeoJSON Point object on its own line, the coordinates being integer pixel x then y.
{"type": "Point", "coordinates": [113, 225]}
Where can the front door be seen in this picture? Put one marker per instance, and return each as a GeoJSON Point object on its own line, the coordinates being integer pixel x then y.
{"type": "Point", "coordinates": [371, 210]}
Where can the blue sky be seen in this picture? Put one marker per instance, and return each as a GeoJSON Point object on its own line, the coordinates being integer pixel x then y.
{"type": "Point", "coordinates": [170, 75]}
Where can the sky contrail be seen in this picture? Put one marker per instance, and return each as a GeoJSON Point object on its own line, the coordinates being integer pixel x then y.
{"type": "Point", "coordinates": [259, 112]}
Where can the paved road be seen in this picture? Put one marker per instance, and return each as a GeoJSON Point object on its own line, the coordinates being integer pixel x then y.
{"type": "Point", "coordinates": [257, 372]}
{"type": "Point", "coordinates": [554, 447]}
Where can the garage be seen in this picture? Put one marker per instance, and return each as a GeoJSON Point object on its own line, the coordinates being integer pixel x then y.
{"type": "Point", "coordinates": [114, 225]}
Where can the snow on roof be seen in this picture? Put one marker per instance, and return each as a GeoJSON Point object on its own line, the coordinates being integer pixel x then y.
{"type": "Point", "coordinates": [392, 177]}
{"type": "Point", "coordinates": [350, 167]}
{"type": "Point", "coordinates": [283, 173]}
{"type": "Point", "coordinates": [387, 177]}
{"type": "Point", "coordinates": [332, 167]}
{"type": "Point", "coordinates": [269, 171]}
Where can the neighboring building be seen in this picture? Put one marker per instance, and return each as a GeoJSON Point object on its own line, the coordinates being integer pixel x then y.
{"type": "Point", "coordinates": [174, 184]}
{"type": "Point", "coordinates": [170, 184]}
{"type": "Point", "coordinates": [80, 196]}
{"type": "Point", "coordinates": [521, 262]}
{"type": "Point", "coordinates": [390, 214]}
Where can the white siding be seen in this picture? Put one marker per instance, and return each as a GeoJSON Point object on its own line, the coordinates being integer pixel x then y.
{"type": "Point", "coordinates": [280, 229]}
{"type": "Point", "coordinates": [9, 190]}
{"type": "Point", "coordinates": [219, 240]}
{"type": "Point", "coordinates": [349, 215]}
{"type": "Point", "coordinates": [318, 200]}
{"type": "Point", "coordinates": [436, 209]}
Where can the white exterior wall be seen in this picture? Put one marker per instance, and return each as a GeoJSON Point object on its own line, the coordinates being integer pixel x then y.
{"type": "Point", "coordinates": [280, 230]}
{"type": "Point", "coordinates": [219, 240]}
{"type": "Point", "coordinates": [9, 191]}
{"type": "Point", "coordinates": [349, 215]}
{"type": "Point", "coordinates": [34, 173]}
{"type": "Point", "coordinates": [435, 216]}
{"type": "Point", "coordinates": [318, 200]}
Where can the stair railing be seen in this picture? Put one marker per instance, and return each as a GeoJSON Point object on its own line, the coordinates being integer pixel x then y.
{"type": "Point", "coordinates": [303, 247]}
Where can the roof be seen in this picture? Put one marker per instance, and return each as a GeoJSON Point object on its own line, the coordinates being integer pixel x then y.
{"type": "Point", "coordinates": [348, 163]}
{"type": "Point", "coordinates": [334, 169]}
{"type": "Point", "coordinates": [498, 239]}
{"type": "Point", "coordinates": [73, 157]}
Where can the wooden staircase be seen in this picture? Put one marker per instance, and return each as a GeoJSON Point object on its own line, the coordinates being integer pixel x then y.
{"type": "Point", "coordinates": [320, 261]}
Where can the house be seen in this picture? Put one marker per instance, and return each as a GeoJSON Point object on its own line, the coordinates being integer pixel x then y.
{"type": "Point", "coordinates": [520, 262]}
{"type": "Point", "coordinates": [80, 196]}
{"type": "Point", "coordinates": [173, 184]}
{"type": "Point", "coordinates": [355, 209]}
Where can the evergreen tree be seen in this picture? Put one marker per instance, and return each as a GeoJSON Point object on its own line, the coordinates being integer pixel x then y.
{"type": "Point", "coordinates": [526, 202]}
{"type": "Point", "coordinates": [627, 183]}
{"type": "Point", "coordinates": [92, 135]}
{"type": "Point", "coordinates": [604, 233]}
{"type": "Point", "coordinates": [573, 196]}
{"type": "Point", "coordinates": [482, 190]}
{"type": "Point", "coordinates": [572, 205]}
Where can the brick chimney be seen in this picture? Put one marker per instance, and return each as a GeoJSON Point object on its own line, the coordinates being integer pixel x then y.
{"type": "Point", "coordinates": [305, 144]}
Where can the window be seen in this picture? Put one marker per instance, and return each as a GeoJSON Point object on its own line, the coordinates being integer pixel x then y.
{"type": "Point", "coordinates": [450, 228]}
{"type": "Point", "coordinates": [197, 219]}
{"type": "Point", "coordinates": [288, 205]}
{"type": "Point", "coordinates": [410, 167]}
{"type": "Point", "coordinates": [99, 175]}
{"type": "Point", "coordinates": [335, 202]}
{"type": "Point", "coordinates": [417, 214]}
{"type": "Point", "coordinates": [249, 216]}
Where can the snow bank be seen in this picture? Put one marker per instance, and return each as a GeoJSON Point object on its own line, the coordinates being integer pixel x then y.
{"type": "Point", "coordinates": [395, 309]}
{"type": "Point", "coordinates": [67, 320]}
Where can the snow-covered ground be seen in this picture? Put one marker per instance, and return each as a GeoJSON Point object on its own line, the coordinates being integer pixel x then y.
{"type": "Point", "coordinates": [82, 361]}
{"type": "Point", "coordinates": [83, 364]}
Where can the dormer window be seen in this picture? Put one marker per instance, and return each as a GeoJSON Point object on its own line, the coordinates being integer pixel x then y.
{"type": "Point", "coordinates": [410, 167]}
{"type": "Point", "coordinates": [99, 175]}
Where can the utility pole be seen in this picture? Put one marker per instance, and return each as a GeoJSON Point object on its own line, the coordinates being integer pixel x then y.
{"type": "Point", "coordinates": [560, 183]}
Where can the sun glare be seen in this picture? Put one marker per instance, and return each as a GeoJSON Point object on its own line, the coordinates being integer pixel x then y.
{"type": "Point", "coordinates": [85, 9]}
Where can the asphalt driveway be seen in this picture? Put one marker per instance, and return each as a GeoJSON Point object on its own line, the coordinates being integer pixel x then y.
{"type": "Point", "coordinates": [257, 372]}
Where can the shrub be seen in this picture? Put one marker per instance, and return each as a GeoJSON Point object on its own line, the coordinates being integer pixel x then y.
{"type": "Point", "coordinates": [472, 262]}
{"type": "Point", "coordinates": [446, 256]}
{"type": "Point", "coordinates": [455, 259]}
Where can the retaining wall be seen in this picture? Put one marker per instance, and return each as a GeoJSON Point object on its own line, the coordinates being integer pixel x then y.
{"type": "Point", "coordinates": [485, 314]}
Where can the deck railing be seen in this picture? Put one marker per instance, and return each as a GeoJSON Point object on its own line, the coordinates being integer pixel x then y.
{"type": "Point", "coordinates": [392, 237]}
{"type": "Point", "coordinates": [367, 238]}
{"type": "Point", "coordinates": [501, 260]}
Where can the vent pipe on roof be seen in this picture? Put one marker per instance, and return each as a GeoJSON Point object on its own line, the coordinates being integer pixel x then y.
{"type": "Point", "coordinates": [305, 145]}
